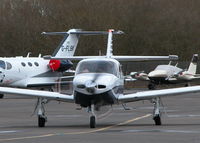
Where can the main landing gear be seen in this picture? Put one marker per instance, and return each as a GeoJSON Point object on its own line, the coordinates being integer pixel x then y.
{"type": "Point", "coordinates": [151, 86]}
{"type": "Point", "coordinates": [156, 112]}
{"type": "Point", "coordinates": [92, 117]}
{"type": "Point", "coordinates": [1, 96]}
{"type": "Point", "coordinates": [42, 119]}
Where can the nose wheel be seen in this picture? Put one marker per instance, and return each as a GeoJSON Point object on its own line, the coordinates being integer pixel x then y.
{"type": "Point", "coordinates": [92, 121]}
{"type": "Point", "coordinates": [92, 117]}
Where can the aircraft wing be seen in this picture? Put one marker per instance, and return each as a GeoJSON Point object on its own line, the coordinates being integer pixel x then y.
{"type": "Point", "coordinates": [146, 95]}
{"type": "Point", "coordinates": [197, 75]}
{"type": "Point", "coordinates": [40, 84]}
{"type": "Point", "coordinates": [37, 93]}
{"type": "Point", "coordinates": [119, 58]}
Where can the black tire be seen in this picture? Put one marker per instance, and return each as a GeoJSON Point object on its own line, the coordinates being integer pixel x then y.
{"type": "Point", "coordinates": [1, 96]}
{"type": "Point", "coordinates": [151, 86]}
{"type": "Point", "coordinates": [157, 120]}
{"type": "Point", "coordinates": [92, 122]}
{"type": "Point", "coordinates": [41, 121]}
{"type": "Point", "coordinates": [186, 85]}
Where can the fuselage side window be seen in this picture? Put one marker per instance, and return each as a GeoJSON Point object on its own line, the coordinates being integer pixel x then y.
{"type": "Point", "coordinates": [30, 64]}
{"type": "Point", "coordinates": [2, 64]}
{"type": "Point", "coordinates": [23, 64]}
{"type": "Point", "coordinates": [8, 66]}
{"type": "Point", "coordinates": [36, 64]}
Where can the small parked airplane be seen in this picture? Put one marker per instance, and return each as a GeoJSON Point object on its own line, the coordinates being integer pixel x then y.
{"type": "Point", "coordinates": [169, 74]}
{"type": "Point", "coordinates": [99, 82]}
{"type": "Point", "coordinates": [37, 72]}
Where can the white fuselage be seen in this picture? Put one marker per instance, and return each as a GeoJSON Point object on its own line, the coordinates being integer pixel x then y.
{"type": "Point", "coordinates": [95, 85]}
{"type": "Point", "coordinates": [163, 73]}
{"type": "Point", "coordinates": [26, 71]}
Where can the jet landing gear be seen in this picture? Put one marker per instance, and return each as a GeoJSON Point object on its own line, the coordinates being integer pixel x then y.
{"type": "Point", "coordinates": [92, 117]}
{"type": "Point", "coordinates": [42, 119]}
{"type": "Point", "coordinates": [156, 112]}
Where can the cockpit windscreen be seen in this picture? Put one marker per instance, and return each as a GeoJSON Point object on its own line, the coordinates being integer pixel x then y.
{"type": "Point", "coordinates": [97, 67]}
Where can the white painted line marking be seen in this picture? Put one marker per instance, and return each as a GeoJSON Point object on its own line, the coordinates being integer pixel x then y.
{"type": "Point", "coordinates": [4, 132]}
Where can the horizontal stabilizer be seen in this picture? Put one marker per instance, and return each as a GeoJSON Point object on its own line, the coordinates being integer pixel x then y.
{"type": "Point", "coordinates": [79, 32]}
{"type": "Point", "coordinates": [119, 58]}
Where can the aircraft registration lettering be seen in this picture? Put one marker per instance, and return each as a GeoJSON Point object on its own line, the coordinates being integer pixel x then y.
{"type": "Point", "coordinates": [67, 48]}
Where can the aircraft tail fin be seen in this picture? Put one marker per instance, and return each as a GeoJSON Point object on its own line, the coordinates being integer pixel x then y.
{"type": "Point", "coordinates": [69, 43]}
{"type": "Point", "coordinates": [193, 65]}
{"type": "Point", "coordinates": [109, 52]}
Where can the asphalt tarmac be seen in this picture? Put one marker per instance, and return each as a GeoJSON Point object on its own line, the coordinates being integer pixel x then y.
{"type": "Point", "coordinates": [180, 118]}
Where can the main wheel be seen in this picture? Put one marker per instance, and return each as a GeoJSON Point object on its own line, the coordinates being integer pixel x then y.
{"type": "Point", "coordinates": [1, 96]}
{"type": "Point", "coordinates": [157, 120]}
{"type": "Point", "coordinates": [41, 121]}
{"type": "Point", "coordinates": [92, 122]}
{"type": "Point", "coordinates": [151, 86]}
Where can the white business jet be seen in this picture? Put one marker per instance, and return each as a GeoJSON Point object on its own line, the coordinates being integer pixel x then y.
{"type": "Point", "coordinates": [37, 72]}
{"type": "Point", "coordinates": [99, 82]}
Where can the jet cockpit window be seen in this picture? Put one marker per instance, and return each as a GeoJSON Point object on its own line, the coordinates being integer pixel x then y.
{"type": "Point", "coordinates": [2, 64]}
{"type": "Point", "coordinates": [8, 65]}
{"type": "Point", "coordinates": [97, 67]}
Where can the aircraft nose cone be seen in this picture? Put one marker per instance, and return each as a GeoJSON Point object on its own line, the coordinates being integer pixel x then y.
{"type": "Point", "coordinates": [158, 74]}
{"type": "Point", "coordinates": [90, 86]}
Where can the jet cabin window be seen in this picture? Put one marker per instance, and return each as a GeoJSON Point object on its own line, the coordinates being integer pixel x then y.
{"type": "Point", "coordinates": [36, 64]}
{"type": "Point", "coordinates": [23, 64]}
{"type": "Point", "coordinates": [2, 64]}
{"type": "Point", "coordinates": [30, 64]}
{"type": "Point", "coordinates": [97, 67]}
{"type": "Point", "coordinates": [8, 66]}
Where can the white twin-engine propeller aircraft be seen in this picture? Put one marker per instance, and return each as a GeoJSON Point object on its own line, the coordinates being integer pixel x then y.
{"type": "Point", "coordinates": [169, 74]}
{"type": "Point", "coordinates": [99, 82]}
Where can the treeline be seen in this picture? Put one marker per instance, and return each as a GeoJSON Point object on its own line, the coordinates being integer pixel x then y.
{"type": "Point", "coordinates": [152, 27]}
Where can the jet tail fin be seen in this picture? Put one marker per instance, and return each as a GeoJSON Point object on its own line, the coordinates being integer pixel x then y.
{"type": "Point", "coordinates": [193, 65]}
{"type": "Point", "coordinates": [69, 43]}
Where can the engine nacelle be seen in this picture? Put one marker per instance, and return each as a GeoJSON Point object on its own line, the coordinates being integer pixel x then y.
{"type": "Point", "coordinates": [60, 65]}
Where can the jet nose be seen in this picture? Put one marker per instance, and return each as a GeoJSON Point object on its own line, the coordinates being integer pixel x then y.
{"type": "Point", "coordinates": [158, 74]}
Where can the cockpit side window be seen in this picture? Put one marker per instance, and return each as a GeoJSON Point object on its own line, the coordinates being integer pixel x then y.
{"type": "Point", "coordinates": [8, 66]}
{"type": "Point", "coordinates": [2, 64]}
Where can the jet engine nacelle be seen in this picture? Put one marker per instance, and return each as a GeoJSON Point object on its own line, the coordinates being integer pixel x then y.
{"type": "Point", "coordinates": [60, 65]}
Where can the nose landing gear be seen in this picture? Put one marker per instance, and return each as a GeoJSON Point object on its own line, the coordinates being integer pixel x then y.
{"type": "Point", "coordinates": [92, 117]}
